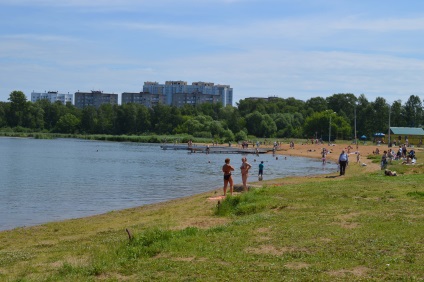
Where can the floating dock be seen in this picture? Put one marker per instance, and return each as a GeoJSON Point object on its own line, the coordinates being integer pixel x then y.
{"type": "Point", "coordinates": [216, 149]}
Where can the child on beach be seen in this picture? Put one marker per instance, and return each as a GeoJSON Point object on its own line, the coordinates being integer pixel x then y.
{"type": "Point", "coordinates": [261, 170]}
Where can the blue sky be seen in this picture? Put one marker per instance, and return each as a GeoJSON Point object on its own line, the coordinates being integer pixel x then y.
{"type": "Point", "coordinates": [284, 48]}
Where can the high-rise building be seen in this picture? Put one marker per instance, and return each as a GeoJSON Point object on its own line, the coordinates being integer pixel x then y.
{"type": "Point", "coordinates": [226, 93]}
{"type": "Point", "coordinates": [144, 98]}
{"type": "Point", "coordinates": [195, 98]}
{"type": "Point", "coordinates": [94, 98]}
{"type": "Point", "coordinates": [52, 96]}
{"type": "Point", "coordinates": [179, 92]}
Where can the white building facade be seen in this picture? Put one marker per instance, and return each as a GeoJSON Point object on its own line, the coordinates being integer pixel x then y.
{"type": "Point", "coordinates": [52, 96]}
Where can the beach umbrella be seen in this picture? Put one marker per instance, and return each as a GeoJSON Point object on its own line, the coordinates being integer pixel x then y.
{"type": "Point", "coordinates": [363, 137]}
{"type": "Point", "coordinates": [379, 134]}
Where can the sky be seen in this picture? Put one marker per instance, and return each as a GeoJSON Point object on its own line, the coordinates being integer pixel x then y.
{"type": "Point", "coordinates": [261, 48]}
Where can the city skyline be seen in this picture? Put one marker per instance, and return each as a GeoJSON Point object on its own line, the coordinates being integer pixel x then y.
{"type": "Point", "coordinates": [195, 93]}
{"type": "Point", "coordinates": [261, 48]}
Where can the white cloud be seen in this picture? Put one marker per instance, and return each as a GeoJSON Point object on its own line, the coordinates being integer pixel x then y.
{"type": "Point", "coordinates": [303, 55]}
{"type": "Point", "coordinates": [382, 25]}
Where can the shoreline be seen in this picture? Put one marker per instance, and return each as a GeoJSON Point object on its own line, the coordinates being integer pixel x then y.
{"type": "Point", "coordinates": [300, 150]}
{"type": "Point", "coordinates": [311, 226]}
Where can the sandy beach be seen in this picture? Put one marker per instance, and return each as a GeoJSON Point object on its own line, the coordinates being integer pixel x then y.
{"type": "Point", "coordinates": [314, 151]}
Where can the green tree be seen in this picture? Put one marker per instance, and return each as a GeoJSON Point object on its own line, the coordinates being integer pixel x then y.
{"type": "Point", "coordinates": [343, 104]}
{"type": "Point", "coordinates": [17, 110]}
{"type": "Point", "coordinates": [380, 119]}
{"type": "Point", "coordinates": [34, 117]}
{"type": "Point", "coordinates": [209, 109]}
{"type": "Point", "coordinates": [89, 120]}
{"type": "Point", "coordinates": [240, 136]}
{"type": "Point", "coordinates": [165, 119]}
{"type": "Point", "coordinates": [68, 123]}
{"type": "Point", "coordinates": [413, 111]}
{"type": "Point", "coordinates": [143, 119]}
{"type": "Point", "coordinates": [52, 112]}
{"type": "Point", "coordinates": [294, 106]}
{"type": "Point", "coordinates": [396, 119]}
{"type": "Point", "coordinates": [227, 135]}
{"type": "Point", "coordinates": [253, 123]}
{"type": "Point", "coordinates": [248, 106]}
{"type": "Point", "coordinates": [189, 110]}
{"type": "Point", "coordinates": [106, 121]}
{"type": "Point", "coordinates": [126, 119]}
{"type": "Point", "coordinates": [216, 129]}
{"type": "Point", "coordinates": [268, 126]}
{"type": "Point", "coordinates": [317, 104]}
{"type": "Point", "coordinates": [319, 123]}
{"type": "Point", "coordinates": [4, 108]}
{"type": "Point", "coordinates": [194, 125]}
{"type": "Point", "coordinates": [362, 117]}
{"type": "Point", "coordinates": [232, 118]}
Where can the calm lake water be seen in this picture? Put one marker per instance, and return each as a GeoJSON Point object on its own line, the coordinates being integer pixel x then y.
{"type": "Point", "coordinates": [51, 180]}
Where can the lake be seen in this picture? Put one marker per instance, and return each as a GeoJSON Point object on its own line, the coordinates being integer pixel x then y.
{"type": "Point", "coordinates": [52, 180]}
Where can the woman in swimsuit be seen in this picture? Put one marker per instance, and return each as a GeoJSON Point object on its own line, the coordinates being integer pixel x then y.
{"type": "Point", "coordinates": [245, 166]}
{"type": "Point", "coordinates": [227, 169]}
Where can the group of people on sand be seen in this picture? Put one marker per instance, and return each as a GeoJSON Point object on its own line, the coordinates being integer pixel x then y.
{"type": "Point", "coordinates": [343, 162]}
{"type": "Point", "coordinates": [227, 169]}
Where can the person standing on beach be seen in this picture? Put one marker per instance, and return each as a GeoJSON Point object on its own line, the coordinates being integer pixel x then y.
{"type": "Point", "coordinates": [245, 166]}
{"type": "Point", "coordinates": [261, 170]}
{"type": "Point", "coordinates": [227, 169]}
{"type": "Point", "coordinates": [343, 162]}
{"type": "Point", "coordinates": [324, 156]}
{"type": "Point", "coordinates": [384, 160]}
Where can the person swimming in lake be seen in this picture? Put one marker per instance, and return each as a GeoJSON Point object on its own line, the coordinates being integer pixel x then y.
{"type": "Point", "coordinates": [227, 169]}
{"type": "Point", "coordinates": [245, 166]}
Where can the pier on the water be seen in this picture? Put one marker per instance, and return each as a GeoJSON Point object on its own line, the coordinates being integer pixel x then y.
{"type": "Point", "coordinates": [216, 149]}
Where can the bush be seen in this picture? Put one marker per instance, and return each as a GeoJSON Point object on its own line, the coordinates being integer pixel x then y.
{"type": "Point", "coordinates": [240, 136]}
{"type": "Point", "coordinates": [244, 204]}
{"type": "Point", "coordinates": [202, 134]}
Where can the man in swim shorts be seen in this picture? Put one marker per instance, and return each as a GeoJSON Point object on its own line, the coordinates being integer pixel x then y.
{"type": "Point", "coordinates": [227, 169]}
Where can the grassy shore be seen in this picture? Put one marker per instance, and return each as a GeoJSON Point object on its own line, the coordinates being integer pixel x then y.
{"type": "Point", "coordinates": [360, 227]}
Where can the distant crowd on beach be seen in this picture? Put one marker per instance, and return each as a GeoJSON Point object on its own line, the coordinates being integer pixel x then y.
{"type": "Point", "coordinates": [403, 152]}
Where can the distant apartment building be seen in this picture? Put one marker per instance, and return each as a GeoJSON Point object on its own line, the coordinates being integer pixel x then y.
{"type": "Point", "coordinates": [94, 98]}
{"type": "Point", "coordinates": [268, 99]}
{"type": "Point", "coordinates": [144, 98]}
{"type": "Point", "coordinates": [52, 96]}
{"type": "Point", "coordinates": [178, 93]}
{"type": "Point", "coordinates": [196, 98]}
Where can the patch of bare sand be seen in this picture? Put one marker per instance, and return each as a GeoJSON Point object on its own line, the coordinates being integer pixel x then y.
{"type": "Point", "coordinates": [314, 151]}
{"type": "Point", "coordinates": [190, 259]}
{"type": "Point", "coordinates": [359, 271]}
{"type": "Point", "coordinates": [202, 222]}
{"type": "Point", "coordinates": [262, 234]}
{"type": "Point", "coordinates": [272, 250]}
{"type": "Point", "coordinates": [296, 265]}
{"type": "Point", "coordinates": [347, 220]}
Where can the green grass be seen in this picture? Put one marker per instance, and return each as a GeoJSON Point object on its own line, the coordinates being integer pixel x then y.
{"type": "Point", "coordinates": [362, 227]}
{"type": "Point", "coordinates": [153, 138]}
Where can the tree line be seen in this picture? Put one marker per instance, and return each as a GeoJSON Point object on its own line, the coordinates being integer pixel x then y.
{"type": "Point", "coordinates": [274, 117]}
